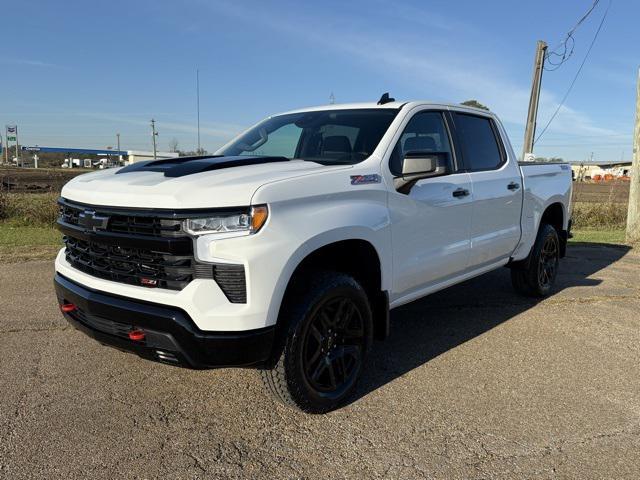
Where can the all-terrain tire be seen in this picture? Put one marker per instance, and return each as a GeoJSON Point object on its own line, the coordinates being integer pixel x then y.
{"type": "Point", "coordinates": [538, 278]}
{"type": "Point", "coordinates": [307, 314]}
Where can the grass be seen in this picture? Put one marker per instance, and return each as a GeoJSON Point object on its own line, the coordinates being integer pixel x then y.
{"type": "Point", "coordinates": [599, 216]}
{"type": "Point", "coordinates": [29, 209]}
{"type": "Point", "coordinates": [614, 236]}
{"type": "Point", "coordinates": [19, 243]}
{"type": "Point", "coordinates": [27, 227]}
{"type": "Point", "coordinates": [603, 222]}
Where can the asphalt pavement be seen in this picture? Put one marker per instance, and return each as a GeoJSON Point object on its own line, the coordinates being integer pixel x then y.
{"type": "Point", "coordinates": [475, 382]}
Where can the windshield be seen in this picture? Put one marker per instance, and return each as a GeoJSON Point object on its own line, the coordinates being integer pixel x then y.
{"type": "Point", "coordinates": [328, 137]}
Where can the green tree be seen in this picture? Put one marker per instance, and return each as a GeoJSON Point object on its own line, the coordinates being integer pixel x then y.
{"type": "Point", "coordinates": [474, 103]}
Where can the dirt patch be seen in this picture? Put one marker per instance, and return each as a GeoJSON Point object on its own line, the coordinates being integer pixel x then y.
{"type": "Point", "coordinates": [36, 180]}
{"type": "Point", "coordinates": [612, 192]}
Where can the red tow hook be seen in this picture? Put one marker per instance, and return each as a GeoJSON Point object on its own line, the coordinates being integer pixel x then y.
{"type": "Point", "coordinates": [136, 335]}
{"type": "Point", "coordinates": [67, 307]}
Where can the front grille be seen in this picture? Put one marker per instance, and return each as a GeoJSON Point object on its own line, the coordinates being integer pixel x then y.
{"type": "Point", "coordinates": [135, 247]}
{"type": "Point", "coordinates": [134, 266]}
{"type": "Point", "coordinates": [122, 221]}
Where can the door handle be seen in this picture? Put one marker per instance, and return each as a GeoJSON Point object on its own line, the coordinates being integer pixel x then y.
{"type": "Point", "coordinates": [513, 186]}
{"type": "Point", "coordinates": [460, 192]}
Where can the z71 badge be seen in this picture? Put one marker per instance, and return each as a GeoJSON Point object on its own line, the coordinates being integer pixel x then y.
{"type": "Point", "coordinates": [365, 179]}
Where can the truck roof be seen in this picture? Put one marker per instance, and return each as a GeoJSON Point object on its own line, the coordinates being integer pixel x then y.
{"type": "Point", "coordinates": [374, 105]}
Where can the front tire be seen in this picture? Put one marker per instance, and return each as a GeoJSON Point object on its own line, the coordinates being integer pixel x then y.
{"type": "Point", "coordinates": [330, 331]}
{"type": "Point", "coordinates": [538, 278]}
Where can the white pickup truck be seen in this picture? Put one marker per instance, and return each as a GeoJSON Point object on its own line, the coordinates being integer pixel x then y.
{"type": "Point", "coordinates": [286, 250]}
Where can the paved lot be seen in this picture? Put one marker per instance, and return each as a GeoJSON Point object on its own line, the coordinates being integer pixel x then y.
{"type": "Point", "coordinates": [474, 382]}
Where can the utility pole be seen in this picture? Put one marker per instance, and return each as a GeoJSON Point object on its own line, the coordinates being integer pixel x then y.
{"type": "Point", "coordinates": [532, 115]}
{"type": "Point", "coordinates": [633, 212]}
{"type": "Point", "coordinates": [154, 134]}
{"type": "Point", "coordinates": [198, 105]}
{"type": "Point", "coordinates": [118, 143]}
{"type": "Point", "coordinates": [6, 147]}
{"type": "Point", "coordinates": [17, 153]}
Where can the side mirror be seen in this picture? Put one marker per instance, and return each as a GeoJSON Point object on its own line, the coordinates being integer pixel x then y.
{"type": "Point", "coordinates": [417, 165]}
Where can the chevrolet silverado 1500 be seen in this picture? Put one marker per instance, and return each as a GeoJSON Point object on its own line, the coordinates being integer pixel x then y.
{"type": "Point", "coordinates": [286, 249]}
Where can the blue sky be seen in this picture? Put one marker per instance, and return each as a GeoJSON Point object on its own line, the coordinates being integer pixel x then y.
{"type": "Point", "coordinates": [74, 73]}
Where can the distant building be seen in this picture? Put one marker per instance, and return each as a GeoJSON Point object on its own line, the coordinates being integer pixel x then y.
{"type": "Point", "coordinates": [598, 171]}
{"type": "Point", "coordinates": [134, 156]}
{"type": "Point", "coordinates": [110, 158]}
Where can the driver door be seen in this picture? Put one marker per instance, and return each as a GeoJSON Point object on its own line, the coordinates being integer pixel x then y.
{"type": "Point", "coordinates": [431, 222]}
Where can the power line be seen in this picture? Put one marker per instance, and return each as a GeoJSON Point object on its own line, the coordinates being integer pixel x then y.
{"type": "Point", "coordinates": [565, 49]}
{"type": "Point", "coordinates": [584, 60]}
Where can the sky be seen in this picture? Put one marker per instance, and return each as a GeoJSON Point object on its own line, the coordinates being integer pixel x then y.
{"type": "Point", "coordinates": [75, 73]}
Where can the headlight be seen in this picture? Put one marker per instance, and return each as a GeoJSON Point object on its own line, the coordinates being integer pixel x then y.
{"type": "Point", "coordinates": [249, 222]}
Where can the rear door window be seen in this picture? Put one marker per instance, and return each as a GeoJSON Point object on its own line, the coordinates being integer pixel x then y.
{"type": "Point", "coordinates": [480, 148]}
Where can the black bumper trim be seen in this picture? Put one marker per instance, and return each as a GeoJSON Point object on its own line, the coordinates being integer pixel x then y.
{"type": "Point", "coordinates": [172, 337]}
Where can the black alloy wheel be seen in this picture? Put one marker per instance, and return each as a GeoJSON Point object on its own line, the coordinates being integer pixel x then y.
{"type": "Point", "coordinates": [334, 347]}
{"type": "Point", "coordinates": [329, 333]}
{"type": "Point", "coordinates": [536, 277]}
{"type": "Point", "coordinates": [548, 262]}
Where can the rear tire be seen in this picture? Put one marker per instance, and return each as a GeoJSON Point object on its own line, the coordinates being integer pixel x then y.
{"type": "Point", "coordinates": [330, 331]}
{"type": "Point", "coordinates": [538, 278]}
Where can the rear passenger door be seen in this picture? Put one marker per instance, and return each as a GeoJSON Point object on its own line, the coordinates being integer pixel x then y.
{"type": "Point", "coordinates": [496, 185]}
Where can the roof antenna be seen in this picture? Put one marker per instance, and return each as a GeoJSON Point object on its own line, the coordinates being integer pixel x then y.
{"type": "Point", "coordinates": [385, 98]}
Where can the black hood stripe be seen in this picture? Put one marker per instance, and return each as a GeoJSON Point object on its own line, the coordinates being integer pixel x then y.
{"type": "Point", "coordinates": [181, 166]}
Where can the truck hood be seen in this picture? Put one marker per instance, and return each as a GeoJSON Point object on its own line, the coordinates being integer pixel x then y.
{"type": "Point", "coordinates": [189, 183]}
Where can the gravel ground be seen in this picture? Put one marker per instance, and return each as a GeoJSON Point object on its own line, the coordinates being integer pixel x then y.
{"type": "Point", "coordinates": [474, 382]}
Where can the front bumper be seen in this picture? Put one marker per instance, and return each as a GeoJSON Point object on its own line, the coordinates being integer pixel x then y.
{"type": "Point", "coordinates": [170, 334]}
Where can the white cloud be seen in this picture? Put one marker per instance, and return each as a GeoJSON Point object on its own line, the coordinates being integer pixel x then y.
{"type": "Point", "coordinates": [215, 130]}
{"type": "Point", "coordinates": [433, 66]}
{"type": "Point", "coordinates": [29, 63]}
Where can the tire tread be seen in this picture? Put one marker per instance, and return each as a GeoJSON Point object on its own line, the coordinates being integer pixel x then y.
{"type": "Point", "coordinates": [281, 384]}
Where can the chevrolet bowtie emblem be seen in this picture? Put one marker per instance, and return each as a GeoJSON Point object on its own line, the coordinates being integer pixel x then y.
{"type": "Point", "coordinates": [90, 221]}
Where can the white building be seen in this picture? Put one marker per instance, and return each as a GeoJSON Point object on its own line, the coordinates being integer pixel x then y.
{"type": "Point", "coordinates": [591, 170]}
{"type": "Point", "coordinates": [139, 155]}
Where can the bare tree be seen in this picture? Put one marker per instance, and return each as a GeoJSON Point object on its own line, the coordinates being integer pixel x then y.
{"type": "Point", "coordinates": [173, 145]}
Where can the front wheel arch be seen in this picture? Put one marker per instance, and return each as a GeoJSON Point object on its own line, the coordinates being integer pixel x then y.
{"type": "Point", "coordinates": [357, 258]}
